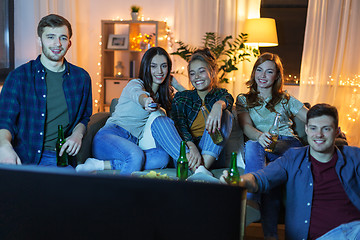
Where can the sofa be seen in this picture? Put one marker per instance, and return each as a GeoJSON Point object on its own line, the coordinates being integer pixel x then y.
{"type": "Point", "coordinates": [97, 121]}
{"type": "Point", "coordinates": [234, 144]}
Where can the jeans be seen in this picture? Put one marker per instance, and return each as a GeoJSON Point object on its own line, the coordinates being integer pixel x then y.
{"type": "Point", "coordinates": [48, 159]}
{"type": "Point", "coordinates": [346, 231]}
{"type": "Point", "coordinates": [117, 145]}
{"type": "Point", "coordinates": [167, 137]}
{"type": "Point", "coordinates": [255, 159]}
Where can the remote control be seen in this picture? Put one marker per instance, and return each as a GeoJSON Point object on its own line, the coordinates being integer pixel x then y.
{"type": "Point", "coordinates": [153, 105]}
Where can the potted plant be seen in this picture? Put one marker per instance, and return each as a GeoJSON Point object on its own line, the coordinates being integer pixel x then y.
{"type": "Point", "coordinates": [135, 12]}
{"type": "Point", "coordinates": [229, 53]}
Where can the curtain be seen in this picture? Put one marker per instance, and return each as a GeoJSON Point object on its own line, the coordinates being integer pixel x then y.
{"type": "Point", "coordinates": [330, 69]}
{"type": "Point", "coordinates": [26, 18]}
{"type": "Point", "coordinates": [65, 8]}
{"type": "Point", "coordinates": [193, 18]}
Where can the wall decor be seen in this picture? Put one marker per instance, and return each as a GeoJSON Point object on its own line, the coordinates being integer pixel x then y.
{"type": "Point", "coordinates": [118, 41]}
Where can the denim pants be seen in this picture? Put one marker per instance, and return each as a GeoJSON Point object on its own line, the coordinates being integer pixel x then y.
{"type": "Point", "coordinates": [256, 158]}
{"type": "Point", "coordinates": [346, 231]}
{"type": "Point", "coordinates": [167, 137]}
{"type": "Point", "coordinates": [117, 145]}
{"type": "Point", "coordinates": [48, 159]}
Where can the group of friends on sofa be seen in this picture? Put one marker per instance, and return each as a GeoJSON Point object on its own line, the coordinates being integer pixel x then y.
{"type": "Point", "coordinates": [322, 181]}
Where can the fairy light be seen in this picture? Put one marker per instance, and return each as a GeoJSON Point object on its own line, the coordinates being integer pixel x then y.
{"type": "Point", "coordinates": [350, 84]}
{"type": "Point", "coordinates": [348, 81]}
{"type": "Point", "coordinates": [98, 83]}
{"type": "Point", "coordinates": [137, 43]}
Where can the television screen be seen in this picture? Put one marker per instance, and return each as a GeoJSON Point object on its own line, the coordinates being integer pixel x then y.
{"type": "Point", "coordinates": [53, 203]}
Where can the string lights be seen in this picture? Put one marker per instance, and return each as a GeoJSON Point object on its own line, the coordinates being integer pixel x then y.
{"type": "Point", "coordinates": [141, 42]}
{"type": "Point", "coordinates": [352, 81]}
{"type": "Point", "coordinates": [347, 88]}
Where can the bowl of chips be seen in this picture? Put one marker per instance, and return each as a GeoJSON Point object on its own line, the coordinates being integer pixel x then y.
{"type": "Point", "coordinates": [155, 175]}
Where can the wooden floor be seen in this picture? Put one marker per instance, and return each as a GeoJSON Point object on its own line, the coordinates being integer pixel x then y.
{"type": "Point", "coordinates": [254, 232]}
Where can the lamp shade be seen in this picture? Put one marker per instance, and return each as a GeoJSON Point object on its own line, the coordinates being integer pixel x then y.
{"type": "Point", "coordinates": [261, 32]}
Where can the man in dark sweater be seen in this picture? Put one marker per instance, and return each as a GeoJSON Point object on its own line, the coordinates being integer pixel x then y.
{"type": "Point", "coordinates": [322, 182]}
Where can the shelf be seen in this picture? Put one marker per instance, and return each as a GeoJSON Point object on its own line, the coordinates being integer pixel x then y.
{"type": "Point", "coordinates": [129, 57]}
{"type": "Point", "coordinates": [122, 50]}
{"type": "Point", "coordinates": [118, 78]}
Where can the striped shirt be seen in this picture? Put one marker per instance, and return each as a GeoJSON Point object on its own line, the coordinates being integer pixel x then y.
{"type": "Point", "coordinates": [23, 106]}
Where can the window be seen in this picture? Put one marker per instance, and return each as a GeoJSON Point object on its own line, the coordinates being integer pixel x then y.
{"type": "Point", "coordinates": [290, 17]}
{"type": "Point", "coordinates": [6, 38]}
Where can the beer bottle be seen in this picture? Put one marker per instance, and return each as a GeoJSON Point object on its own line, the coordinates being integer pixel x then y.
{"type": "Point", "coordinates": [274, 132]}
{"type": "Point", "coordinates": [62, 161]}
{"type": "Point", "coordinates": [234, 175]}
{"type": "Point", "coordinates": [216, 136]}
{"type": "Point", "coordinates": [182, 163]}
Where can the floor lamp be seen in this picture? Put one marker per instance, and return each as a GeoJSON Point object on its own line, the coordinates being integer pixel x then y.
{"type": "Point", "coordinates": [261, 32]}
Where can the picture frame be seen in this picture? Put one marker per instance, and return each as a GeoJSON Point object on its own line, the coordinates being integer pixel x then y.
{"type": "Point", "coordinates": [117, 41]}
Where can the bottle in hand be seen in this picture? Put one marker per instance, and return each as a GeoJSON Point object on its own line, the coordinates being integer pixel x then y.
{"type": "Point", "coordinates": [274, 132]}
{"type": "Point", "coordinates": [182, 164]}
{"type": "Point", "coordinates": [234, 175]}
{"type": "Point", "coordinates": [62, 161]}
{"type": "Point", "coordinates": [216, 136]}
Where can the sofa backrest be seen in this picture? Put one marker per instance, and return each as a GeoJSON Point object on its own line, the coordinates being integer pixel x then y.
{"type": "Point", "coordinates": [113, 104]}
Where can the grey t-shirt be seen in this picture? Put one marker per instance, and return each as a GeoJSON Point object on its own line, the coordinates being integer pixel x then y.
{"type": "Point", "coordinates": [56, 108]}
{"type": "Point", "coordinates": [129, 113]}
{"type": "Point", "coordinates": [263, 118]}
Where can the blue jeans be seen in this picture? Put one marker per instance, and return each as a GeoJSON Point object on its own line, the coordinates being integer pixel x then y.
{"type": "Point", "coordinates": [48, 159]}
{"type": "Point", "coordinates": [117, 145]}
{"type": "Point", "coordinates": [256, 158]}
{"type": "Point", "coordinates": [346, 231]}
{"type": "Point", "coordinates": [167, 137]}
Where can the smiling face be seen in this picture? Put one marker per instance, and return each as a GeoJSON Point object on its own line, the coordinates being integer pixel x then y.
{"type": "Point", "coordinates": [321, 133]}
{"type": "Point", "coordinates": [159, 69]}
{"type": "Point", "coordinates": [265, 75]}
{"type": "Point", "coordinates": [55, 42]}
{"type": "Point", "coordinates": [200, 76]}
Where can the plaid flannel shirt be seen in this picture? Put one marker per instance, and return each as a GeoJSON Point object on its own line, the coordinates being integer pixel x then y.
{"type": "Point", "coordinates": [23, 105]}
{"type": "Point", "coordinates": [186, 106]}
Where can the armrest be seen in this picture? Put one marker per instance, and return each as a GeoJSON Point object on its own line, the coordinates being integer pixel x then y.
{"type": "Point", "coordinates": [299, 129]}
{"type": "Point", "coordinates": [96, 122]}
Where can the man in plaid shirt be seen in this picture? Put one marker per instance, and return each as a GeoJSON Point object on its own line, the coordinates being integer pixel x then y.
{"type": "Point", "coordinates": [42, 94]}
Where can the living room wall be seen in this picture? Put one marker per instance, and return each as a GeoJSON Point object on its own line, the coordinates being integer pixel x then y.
{"type": "Point", "coordinates": [89, 13]}
{"type": "Point", "coordinates": [86, 23]}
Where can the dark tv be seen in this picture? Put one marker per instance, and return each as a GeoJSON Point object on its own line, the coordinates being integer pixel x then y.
{"type": "Point", "coordinates": [46, 203]}
{"type": "Point", "coordinates": [6, 38]}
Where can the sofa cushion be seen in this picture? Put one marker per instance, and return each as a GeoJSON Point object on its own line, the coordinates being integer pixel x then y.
{"type": "Point", "coordinates": [96, 122]}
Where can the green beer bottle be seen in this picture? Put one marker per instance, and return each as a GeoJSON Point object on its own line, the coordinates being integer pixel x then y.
{"type": "Point", "coordinates": [62, 161]}
{"type": "Point", "coordinates": [234, 175]}
{"type": "Point", "coordinates": [182, 163]}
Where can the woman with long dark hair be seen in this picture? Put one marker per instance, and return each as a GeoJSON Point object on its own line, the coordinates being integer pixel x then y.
{"type": "Point", "coordinates": [116, 145]}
